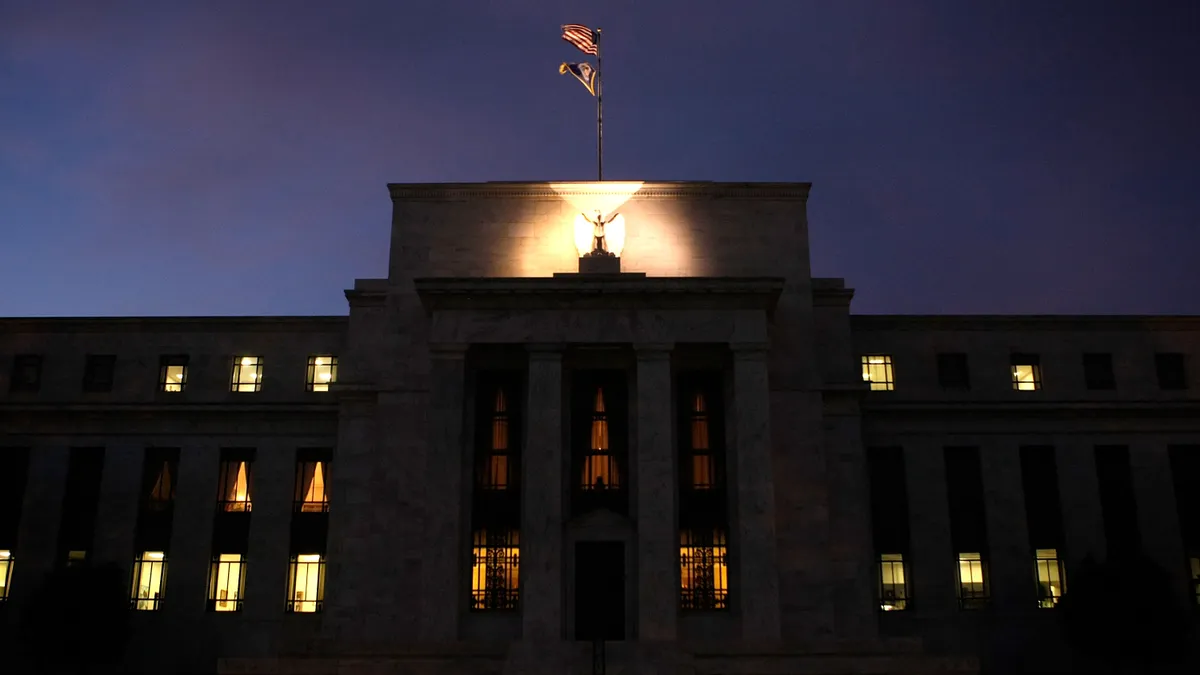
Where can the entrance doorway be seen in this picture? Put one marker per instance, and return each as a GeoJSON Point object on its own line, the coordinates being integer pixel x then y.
{"type": "Point", "coordinates": [600, 590]}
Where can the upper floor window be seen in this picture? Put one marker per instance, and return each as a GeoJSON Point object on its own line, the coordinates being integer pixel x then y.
{"type": "Point", "coordinates": [149, 580]}
{"type": "Point", "coordinates": [1026, 372]}
{"type": "Point", "coordinates": [227, 582]}
{"type": "Point", "coordinates": [77, 558]}
{"type": "Point", "coordinates": [172, 372]}
{"type": "Point", "coordinates": [495, 466]}
{"type": "Point", "coordinates": [952, 371]}
{"type": "Point", "coordinates": [703, 571]}
{"type": "Point", "coordinates": [322, 372]}
{"type": "Point", "coordinates": [1098, 371]}
{"type": "Point", "coordinates": [159, 478]}
{"type": "Point", "coordinates": [1193, 567]}
{"type": "Point", "coordinates": [877, 371]}
{"type": "Point", "coordinates": [1172, 371]}
{"type": "Point", "coordinates": [306, 583]}
{"type": "Point", "coordinates": [600, 468]}
{"type": "Point", "coordinates": [495, 569]}
{"type": "Point", "coordinates": [972, 581]}
{"type": "Point", "coordinates": [311, 472]}
{"type": "Point", "coordinates": [98, 373]}
{"type": "Point", "coordinates": [26, 375]}
{"type": "Point", "coordinates": [1051, 578]}
{"type": "Point", "coordinates": [6, 565]}
{"type": "Point", "coordinates": [235, 485]}
{"type": "Point", "coordinates": [247, 373]}
{"type": "Point", "coordinates": [893, 582]}
{"type": "Point", "coordinates": [703, 464]}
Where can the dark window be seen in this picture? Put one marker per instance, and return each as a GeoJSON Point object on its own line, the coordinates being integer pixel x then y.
{"type": "Point", "coordinates": [172, 372]}
{"type": "Point", "coordinates": [889, 524]}
{"type": "Point", "coordinates": [1026, 372]}
{"type": "Point", "coordinates": [322, 372]}
{"type": "Point", "coordinates": [13, 478]}
{"type": "Point", "coordinates": [1043, 512]}
{"type": "Point", "coordinates": [81, 495]}
{"type": "Point", "coordinates": [1172, 372]}
{"type": "Point", "coordinates": [968, 524]}
{"type": "Point", "coordinates": [26, 373]}
{"type": "Point", "coordinates": [953, 372]}
{"type": "Point", "coordinates": [98, 373]}
{"type": "Point", "coordinates": [1117, 501]}
{"type": "Point", "coordinates": [1185, 473]}
{"type": "Point", "coordinates": [312, 479]}
{"type": "Point", "coordinates": [1098, 371]}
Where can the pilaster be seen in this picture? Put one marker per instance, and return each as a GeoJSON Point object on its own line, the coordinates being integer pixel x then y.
{"type": "Point", "coordinates": [657, 537]}
{"type": "Point", "coordinates": [541, 574]}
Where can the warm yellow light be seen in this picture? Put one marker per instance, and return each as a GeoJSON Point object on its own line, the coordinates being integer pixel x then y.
{"type": "Point", "coordinates": [5, 554]}
{"type": "Point", "coordinates": [246, 361]}
{"type": "Point", "coordinates": [325, 376]}
{"type": "Point", "coordinates": [605, 197]}
{"type": "Point", "coordinates": [309, 558]}
{"type": "Point", "coordinates": [318, 361]}
{"type": "Point", "coordinates": [154, 555]}
{"type": "Point", "coordinates": [614, 234]}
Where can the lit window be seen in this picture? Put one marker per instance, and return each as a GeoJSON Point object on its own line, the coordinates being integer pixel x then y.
{"type": "Point", "coordinates": [227, 582]}
{"type": "Point", "coordinates": [6, 566]}
{"type": "Point", "coordinates": [972, 581]}
{"type": "Point", "coordinates": [495, 570]}
{"type": "Point", "coordinates": [236, 481]}
{"type": "Point", "coordinates": [702, 459]}
{"type": "Point", "coordinates": [172, 372]}
{"type": "Point", "coordinates": [322, 372]}
{"type": "Point", "coordinates": [703, 571]}
{"type": "Point", "coordinates": [1051, 578]}
{"type": "Point", "coordinates": [877, 371]}
{"type": "Point", "coordinates": [600, 470]}
{"type": "Point", "coordinates": [162, 492]}
{"type": "Point", "coordinates": [76, 558]}
{"type": "Point", "coordinates": [310, 485]}
{"type": "Point", "coordinates": [1026, 372]}
{"type": "Point", "coordinates": [306, 583]}
{"type": "Point", "coordinates": [149, 580]}
{"type": "Point", "coordinates": [495, 466]}
{"type": "Point", "coordinates": [247, 374]}
{"type": "Point", "coordinates": [1193, 563]}
{"type": "Point", "coordinates": [893, 588]}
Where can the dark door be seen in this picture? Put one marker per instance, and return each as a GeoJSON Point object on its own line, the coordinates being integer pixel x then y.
{"type": "Point", "coordinates": [600, 590]}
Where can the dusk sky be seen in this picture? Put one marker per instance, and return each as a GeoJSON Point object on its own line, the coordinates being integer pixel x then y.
{"type": "Point", "coordinates": [231, 157]}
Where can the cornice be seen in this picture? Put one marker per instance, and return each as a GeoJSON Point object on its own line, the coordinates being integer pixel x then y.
{"type": "Point", "coordinates": [189, 324]}
{"type": "Point", "coordinates": [650, 190]}
{"type": "Point", "coordinates": [607, 292]}
{"type": "Point", "coordinates": [59, 407]}
{"type": "Point", "coordinates": [1088, 409]}
{"type": "Point", "coordinates": [994, 322]}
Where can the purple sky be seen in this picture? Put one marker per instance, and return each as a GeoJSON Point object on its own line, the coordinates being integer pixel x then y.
{"type": "Point", "coordinates": [230, 157]}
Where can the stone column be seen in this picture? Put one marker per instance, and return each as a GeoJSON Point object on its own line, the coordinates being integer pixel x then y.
{"type": "Point", "coordinates": [541, 571]}
{"type": "Point", "coordinates": [1011, 558]}
{"type": "Point", "coordinates": [441, 594]}
{"type": "Point", "coordinates": [933, 551]}
{"type": "Point", "coordinates": [1158, 519]}
{"type": "Point", "coordinates": [1083, 517]}
{"type": "Point", "coordinates": [758, 580]}
{"type": "Point", "coordinates": [657, 536]}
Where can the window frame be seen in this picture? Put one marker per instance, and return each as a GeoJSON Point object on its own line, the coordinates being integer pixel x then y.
{"type": "Point", "coordinates": [148, 604]}
{"type": "Point", "coordinates": [950, 365]}
{"type": "Point", "coordinates": [971, 599]}
{"type": "Point", "coordinates": [214, 580]}
{"type": "Point", "coordinates": [165, 363]}
{"type": "Point", "coordinates": [888, 562]}
{"type": "Point", "coordinates": [236, 385]}
{"type": "Point", "coordinates": [7, 562]}
{"type": "Point", "coordinates": [96, 368]}
{"type": "Point", "coordinates": [1098, 372]}
{"type": "Point", "coordinates": [310, 379]}
{"type": "Point", "coordinates": [1043, 560]}
{"type": "Point", "coordinates": [227, 484]}
{"type": "Point", "coordinates": [887, 366]}
{"type": "Point", "coordinates": [318, 458]}
{"type": "Point", "coordinates": [487, 453]}
{"type": "Point", "coordinates": [704, 554]}
{"type": "Point", "coordinates": [496, 562]}
{"type": "Point", "coordinates": [295, 564]}
{"type": "Point", "coordinates": [26, 363]}
{"type": "Point", "coordinates": [1170, 369]}
{"type": "Point", "coordinates": [1026, 360]}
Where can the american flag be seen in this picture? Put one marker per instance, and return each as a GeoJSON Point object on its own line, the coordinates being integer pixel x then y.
{"type": "Point", "coordinates": [582, 37]}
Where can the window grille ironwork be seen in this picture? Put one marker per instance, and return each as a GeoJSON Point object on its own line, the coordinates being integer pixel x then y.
{"type": "Point", "coordinates": [495, 570]}
{"type": "Point", "coordinates": [704, 570]}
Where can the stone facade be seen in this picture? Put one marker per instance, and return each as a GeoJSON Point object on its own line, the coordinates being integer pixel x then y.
{"type": "Point", "coordinates": [715, 279]}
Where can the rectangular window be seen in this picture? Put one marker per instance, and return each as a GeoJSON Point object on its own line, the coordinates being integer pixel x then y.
{"type": "Point", "coordinates": [972, 581]}
{"type": "Point", "coordinates": [1026, 372]}
{"type": "Point", "coordinates": [77, 558]}
{"type": "Point", "coordinates": [1051, 578]}
{"type": "Point", "coordinates": [312, 474]}
{"type": "Point", "coordinates": [26, 375]}
{"type": "Point", "coordinates": [6, 567]}
{"type": "Point", "coordinates": [322, 372]}
{"type": "Point", "coordinates": [227, 582]}
{"type": "Point", "coordinates": [953, 372]}
{"type": "Point", "coordinates": [703, 464]}
{"type": "Point", "coordinates": [495, 569]}
{"type": "Point", "coordinates": [877, 372]}
{"type": "Point", "coordinates": [172, 372]}
{"type": "Point", "coordinates": [1172, 371]}
{"type": "Point", "coordinates": [893, 583]}
{"type": "Point", "coordinates": [149, 580]}
{"type": "Point", "coordinates": [306, 583]}
{"type": "Point", "coordinates": [236, 482]}
{"type": "Point", "coordinates": [600, 468]}
{"type": "Point", "coordinates": [703, 570]}
{"type": "Point", "coordinates": [1098, 372]}
{"type": "Point", "coordinates": [247, 374]}
{"type": "Point", "coordinates": [495, 463]}
{"type": "Point", "coordinates": [98, 372]}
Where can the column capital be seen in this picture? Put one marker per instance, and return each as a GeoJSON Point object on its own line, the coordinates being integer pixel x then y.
{"type": "Point", "coordinates": [448, 350]}
{"type": "Point", "coordinates": [653, 350]}
{"type": "Point", "coordinates": [749, 350]}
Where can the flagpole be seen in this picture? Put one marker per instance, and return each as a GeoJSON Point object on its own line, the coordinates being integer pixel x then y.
{"type": "Point", "coordinates": [599, 112]}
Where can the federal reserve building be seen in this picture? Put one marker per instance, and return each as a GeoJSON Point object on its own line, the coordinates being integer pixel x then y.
{"type": "Point", "coordinates": [606, 427]}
